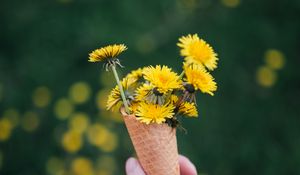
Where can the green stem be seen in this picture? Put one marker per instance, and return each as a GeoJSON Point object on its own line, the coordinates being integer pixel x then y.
{"type": "Point", "coordinates": [181, 75]}
{"type": "Point", "coordinates": [121, 89]}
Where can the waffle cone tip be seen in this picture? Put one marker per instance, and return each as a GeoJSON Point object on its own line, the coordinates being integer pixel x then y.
{"type": "Point", "coordinates": [155, 146]}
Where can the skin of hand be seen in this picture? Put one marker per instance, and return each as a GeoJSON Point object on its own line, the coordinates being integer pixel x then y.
{"type": "Point", "coordinates": [133, 167]}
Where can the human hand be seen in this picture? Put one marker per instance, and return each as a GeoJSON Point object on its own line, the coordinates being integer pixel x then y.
{"type": "Point", "coordinates": [133, 167]}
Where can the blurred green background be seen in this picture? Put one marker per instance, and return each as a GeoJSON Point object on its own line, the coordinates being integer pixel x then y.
{"type": "Point", "coordinates": [52, 116]}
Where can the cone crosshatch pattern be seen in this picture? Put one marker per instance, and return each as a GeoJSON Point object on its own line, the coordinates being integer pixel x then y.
{"type": "Point", "coordinates": [155, 145]}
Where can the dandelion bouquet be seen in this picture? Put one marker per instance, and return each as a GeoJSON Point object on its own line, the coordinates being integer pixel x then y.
{"type": "Point", "coordinates": [152, 100]}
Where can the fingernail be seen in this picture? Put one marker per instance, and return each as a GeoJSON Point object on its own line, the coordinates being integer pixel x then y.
{"type": "Point", "coordinates": [192, 167]}
{"type": "Point", "coordinates": [131, 165]}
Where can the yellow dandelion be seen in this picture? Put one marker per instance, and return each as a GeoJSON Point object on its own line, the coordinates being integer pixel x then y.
{"type": "Point", "coordinates": [162, 77]}
{"type": "Point", "coordinates": [188, 109]}
{"type": "Point", "coordinates": [197, 51]}
{"type": "Point", "coordinates": [153, 113]}
{"type": "Point", "coordinates": [173, 99]}
{"type": "Point", "coordinates": [108, 52]}
{"type": "Point", "coordinates": [135, 74]}
{"type": "Point", "coordinates": [133, 107]}
{"type": "Point", "coordinates": [143, 91]}
{"type": "Point", "coordinates": [129, 83]}
{"type": "Point", "coordinates": [197, 76]}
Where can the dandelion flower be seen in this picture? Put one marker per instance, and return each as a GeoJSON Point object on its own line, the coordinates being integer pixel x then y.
{"type": "Point", "coordinates": [188, 109]}
{"type": "Point", "coordinates": [162, 77]}
{"type": "Point", "coordinates": [143, 92]}
{"type": "Point", "coordinates": [129, 84]}
{"type": "Point", "coordinates": [196, 50]}
{"type": "Point", "coordinates": [154, 113]}
{"type": "Point", "coordinates": [200, 79]}
{"type": "Point", "coordinates": [107, 52]}
{"type": "Point", "coordinates": [135, 74]}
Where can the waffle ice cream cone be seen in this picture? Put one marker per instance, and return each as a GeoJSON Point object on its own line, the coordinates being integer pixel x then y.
{"type": "Point", "coordinates": [155, 146]}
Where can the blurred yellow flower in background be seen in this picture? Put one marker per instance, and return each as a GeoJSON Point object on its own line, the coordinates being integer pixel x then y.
{"type": "Point", "coordinates": [197, 51]}
{"type": "Point", "coordinates": [265, 76]}
{"type": "Point", "coordinates": [97, 134]}
{"type": "Point", "coordinates": [72, 141]}
{"type": "Point", "coordinates": [41, 96]}
{"type": "Point", "coordinates": [55, 166]}
{"type": "Point", "coordinates": [82, 166]}
{"type": "Point", "coordinates": [230, 3]}
{"type": "Point", "coordinates": [106, 165]}
{"type": "Point", "coordinates": [5, 129]}
{"type": "Point", "coordinates": [13, 116]}
{"type": "Point", "coordinates": [111, 142]}
{"type": "Point", "coordinates": [30, 121]}
{"type": "Point", "coordinates": [63, 108]}
{"type": "Point", "coordinates": [197, 76]}
{"type": "Point", "coordinates": [162, 77]}
{"type": "Point", "coordinates": [188, 109]}
{"type": "Point", "coordinates": [274, 59]}
{"type": "Point", "coordinates": [110, 51]}
{"type": "Point", "coordinates": [154, 113]}
{"type": "Point", "coordinates": [79, 122]}
{"type": "Point", "coordinates": [79, 92]}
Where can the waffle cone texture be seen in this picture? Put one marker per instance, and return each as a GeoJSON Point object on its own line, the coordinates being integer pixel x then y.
{"type": "Point", "coordinates": [155, 146]}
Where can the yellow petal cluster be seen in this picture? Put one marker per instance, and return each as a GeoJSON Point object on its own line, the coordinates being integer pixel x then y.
{"type": "Point", "coordinates": [200, 78]}
{"type": "Point", "coordinates": [162, 77]}
{"type": "Point", "coordinates": [197, 51]}
{"type": "Point", "coordinates": [129, 83]}
{"type": "Point", "coordinates": [188, 109]}
{"type": "Point", "coordinates": [110, 51]}
{"type": "Point", "coordinates": [143, 91]}
{"type": "Point", "coordinates": [154, 113]}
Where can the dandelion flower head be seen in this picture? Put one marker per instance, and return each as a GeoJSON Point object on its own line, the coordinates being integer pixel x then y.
{"type": "Point", "coordinates": [162, 78]}
{"type": "Point", "coordinates": [197, 51]}
{"type": "Point", "coordinates": [154, 113]}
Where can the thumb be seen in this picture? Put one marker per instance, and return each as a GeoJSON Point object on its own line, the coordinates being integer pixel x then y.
{"type": "Point", "coordinates": [133, 167]}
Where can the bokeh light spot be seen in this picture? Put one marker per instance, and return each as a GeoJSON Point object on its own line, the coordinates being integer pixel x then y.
{"type": "Point", "coordinates": [63, 108]}
{"type": "Point", "coordinates": [145, 44]}
{"type": "Point", "coordinates": [79, 122]}
{"type": "Point", "coordinates": [274, 59]}
{"type": "Point", "coordinates": [101, 99]}
{"type": "Point", "coordinates": [41, 97]}
{"type": "Point", "coordinates": [106, 164]}
{"type": "Point", "coordinates": [5, 129]}
{"type": "Point", "coordinates": [30, 121]}
{"type": "Point", "coordinates": [80, 92]}
{"type": "Point", "coordinates": [265, 76]}
{"type": "Point", "coordinates": [13, 116]}
{"type": "Point", "coordinates": [111, 143]}
{"type": "Point", "coordinates": [72, 141]}
{"type": "Point", "coordinates": [55, 166]}
{"type": "Point", "coordinates": [111, 115]}
{"type": "Point", "coordinates": [82, 166]}
{"type": "Point", "coordinates": [97, 134]}
{"type": "Point", "coordinates": [230, 3]}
